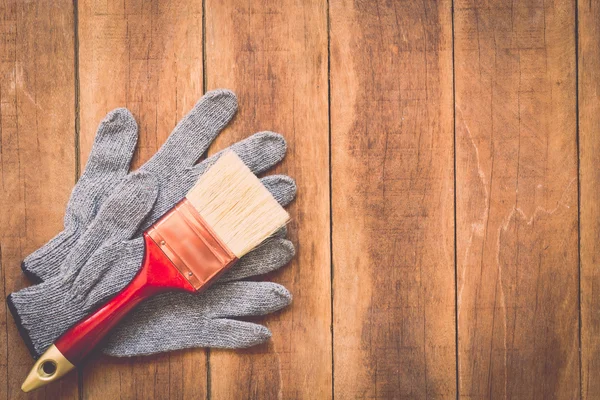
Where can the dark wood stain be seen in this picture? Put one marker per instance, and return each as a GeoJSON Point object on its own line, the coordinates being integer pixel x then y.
{"type": "Point", "coordinates": [516, 180]}
{"type": "Point", "coordinates": [480, 282]}
{"type": "Point", "coordinates": [393, 233]}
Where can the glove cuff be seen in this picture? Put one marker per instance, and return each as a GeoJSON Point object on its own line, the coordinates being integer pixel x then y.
{"type": "Point", "coordinates": [44, 312]}
{"type": "Point", "coordinates": [24, 332]}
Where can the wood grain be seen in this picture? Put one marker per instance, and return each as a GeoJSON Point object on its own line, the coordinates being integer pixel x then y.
{"type": "Point", "coordinates": [589, 177]}
{"type": "Point", "coordinates": [146, 56]}
{"type": "Point", "coordinates": [392, 199]}
{"type": "Point", "coordinates": [516, 200]}
{"type": "Point", "coordinates": [273, 54]}
{"type": "Point", "coordinates": [37, 142]}
{"type": "Point", "coordinates": [37, 153]}
{"type": "Point", "coordinates": [369, 84]}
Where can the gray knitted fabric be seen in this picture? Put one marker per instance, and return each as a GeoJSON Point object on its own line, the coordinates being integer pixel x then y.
{"type": "Point", "coordinates": [173, 166]}
{"type": "Point", "coordinates": [204, 322]}
{"type": "Point", "coordinates": [105, 259]}
{"type": "Point", "coordinates": [100, 249]}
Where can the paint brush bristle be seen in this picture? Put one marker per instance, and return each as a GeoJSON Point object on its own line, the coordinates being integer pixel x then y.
{"type": "Point", "coordinates": [239, 209]}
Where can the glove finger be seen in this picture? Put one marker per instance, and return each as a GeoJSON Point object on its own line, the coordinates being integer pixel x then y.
{"type": "Point", "coordinates": [273, 254]}
{"type": "Point", "coordinates": [282, 187]}
{"type": "Point", "coordinates": [176, 335]}
{"type": "Point", "coordinates": [108, 162]}
{"type": "Point", "coordinates": [117, 220]}
{"type": "Point", "coordinates": [259, 152]}
{"type": "Point", "coordinates": [240, 299]}
{"type": "Point", "coordinates": [113, 146]}
{"type": "Point", "coordinates": [234, 334]}
{"type": "Point", "coordinates": [195, 132]}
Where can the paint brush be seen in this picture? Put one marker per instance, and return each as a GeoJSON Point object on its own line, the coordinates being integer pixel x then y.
{"type": "Point", "coordinates": [224, 216]}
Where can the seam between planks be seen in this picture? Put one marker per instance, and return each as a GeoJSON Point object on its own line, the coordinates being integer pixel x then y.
{"type": "Point", "coordinates": [204, 86]}
{"type": "Point", "coordinates": [331, 270]}
{"type": "Point", "coordinates": [77, 148]}
{"type": "Point", "coordinates": [77, 84]}
{"type": "Point", "coordinates": [580, 330]}
{"type": "Point", "coordinates": [456, 351]}
{"type": "Point", "coordinates": [204, 62]}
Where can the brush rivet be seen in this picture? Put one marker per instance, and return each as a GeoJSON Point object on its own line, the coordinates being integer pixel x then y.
{"type": "Point", "coordinates": [190, 274]}
{"type": "Point", "coordinates": [162, 243]}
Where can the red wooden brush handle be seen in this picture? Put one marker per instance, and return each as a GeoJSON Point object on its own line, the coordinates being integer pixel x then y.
{"type": "Point", "coordinates": [181, 253]}
{"type": "Point", "coordinates": [156, 275]}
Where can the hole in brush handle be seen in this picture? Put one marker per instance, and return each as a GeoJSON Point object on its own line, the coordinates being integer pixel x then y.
{"type": "Point", "coordinates": [51, 366]}
{"type": "Point", "coordinates": [47, 368]}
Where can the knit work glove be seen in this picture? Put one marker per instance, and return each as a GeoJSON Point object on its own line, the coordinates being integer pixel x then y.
{"type": "Point", "coordinates": [109, 161]}
{"type": "Point", "coordinates": [101, 249]}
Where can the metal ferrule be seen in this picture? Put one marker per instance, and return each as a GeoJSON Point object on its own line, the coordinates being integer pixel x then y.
{"type": "Point", "coordinates": [191, 245]}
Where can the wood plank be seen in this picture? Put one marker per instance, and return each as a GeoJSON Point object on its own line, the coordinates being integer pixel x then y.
{"type": "Point", "coordinates": [589, 177]}
{"type": "Point", "coordinates": [273, 54]}
{"type": "Point", "coordinates": [516, 191]}
{"type": "Point", "coordinates": [146, 56]}
{"type": "Point", "coordinates": [392, 199]}
{"type": "Point", "coordinates": [37, 158]}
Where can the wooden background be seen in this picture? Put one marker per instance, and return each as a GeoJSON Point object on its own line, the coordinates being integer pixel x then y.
{"type": "Point", "coordinates": [447, 155]}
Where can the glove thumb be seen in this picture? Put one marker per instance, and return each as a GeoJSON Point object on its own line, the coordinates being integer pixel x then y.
{"type": "Point", "coordinates": [117, 220]}
{"type": "Point", "coordinates": [123, 212]}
